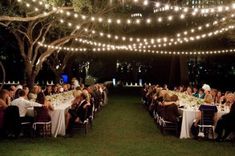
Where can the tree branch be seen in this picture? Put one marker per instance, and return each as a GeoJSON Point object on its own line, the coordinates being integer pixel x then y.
{"type": "Point", "coordinates": [5, 24]}
{"type": "Point", "coordinates": [31, 18]}
{"type": "Point", "coordinates": [43, 39]}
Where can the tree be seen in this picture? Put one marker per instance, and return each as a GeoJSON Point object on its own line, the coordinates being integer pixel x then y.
{"type": "Point", "coordinates": [30, 27]}
{"type": "Point", "coordinates": [58, 63]}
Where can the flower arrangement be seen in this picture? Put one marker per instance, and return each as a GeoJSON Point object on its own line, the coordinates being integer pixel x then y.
{"type": "Point", "coordinates": [60, 98]}
{"type": "Point", "coordinates": [188, 100]}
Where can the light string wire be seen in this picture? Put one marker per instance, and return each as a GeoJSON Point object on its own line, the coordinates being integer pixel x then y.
{"type": "Point", "coordinates": [129, 21]}
{"type": "Point", "coordinates": [162, 52]}
{"type": "Point", "coordinates": [152, 40]}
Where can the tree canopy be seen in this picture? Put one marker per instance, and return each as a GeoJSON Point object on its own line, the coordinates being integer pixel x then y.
{"type": "Point", "coordinates": [31, 22]}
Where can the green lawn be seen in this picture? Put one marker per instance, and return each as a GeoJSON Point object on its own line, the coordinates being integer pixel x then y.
{"type": "Point", "coordinates": [123, 127]}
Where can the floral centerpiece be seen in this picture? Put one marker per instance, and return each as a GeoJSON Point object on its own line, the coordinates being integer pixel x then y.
{"type": "Point", "coordinates": [187, 100]}
{"type": "Point", "coordinates": [60, 98]}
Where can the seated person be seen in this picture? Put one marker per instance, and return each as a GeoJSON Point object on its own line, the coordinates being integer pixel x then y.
{"type": "Point", "coordinates": [207, 106]}
{"type": "Point", "coordinates": [200, 94]}
{"type": "Point", "coordinates": [23, 105]}
{"type": "Point", "coordinates": [171, 112]}
{"type": "Point", "coordinates": [78, 113]}
{"type": "Point", "coordinates": [195, 92]}
{"type": "Point", "coordinates": [48, 90]}
{"type": "Point", "coordinates": [226, 123]}
{"type": "Point", "coordinates": [188, 91]}
{"type": "Point", "coordinates": [12, 91]}
{"type": "Point", "coordinates": [4, 99]}
{"type": "Point", "coordinates": [43, 114]}
{"type": "Point", "coordinates": [26, 89]}
{"type": "Point", "coordinates": [159, 102]}
{"type": "Point", "coordinates": [33, 94]}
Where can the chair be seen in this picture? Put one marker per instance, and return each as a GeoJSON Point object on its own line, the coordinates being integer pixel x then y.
{"type": "Point", "coordinates": [206, 124]}
{"type": "Point", "coordinates": [83, 124]}
{"type": "Point", "coordinates": [168, 126]}
{"type": "Point", "coordinates": [90, 114]}
{"type": "Point", "coordinates": [156, 118]}
{"type": "Point", "coordinates": [42, 124]}
{"type": "Point", "coordinates": [12, 124]}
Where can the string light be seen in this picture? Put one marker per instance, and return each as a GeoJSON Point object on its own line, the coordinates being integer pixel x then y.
{"type": "Point", "coordinates": [160, 7]}
{"type": "Point", "coordinates": [118, 21]}
{"type": "Point", "coordinates": [160, 52]}
{"type": "Point", "coordinates": [158, 40]}
{"type": "Point", "coordinates": [163, 7]}
{"type": "Point", "coordinates": [165, 41]}
{"type": "Point", "coordinates": [202, 11]}
{"type": "Point", "coordinates": [62, 48]}
{"type": "Point", "coordinates": [162, 42]}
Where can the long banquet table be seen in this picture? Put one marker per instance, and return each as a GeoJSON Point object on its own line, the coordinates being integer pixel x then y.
{"type": "Point", "coordinates": [188, 115]}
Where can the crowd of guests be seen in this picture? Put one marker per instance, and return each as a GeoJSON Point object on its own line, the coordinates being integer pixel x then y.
{"type": "Point", "coordinates": [160, 103]}
{"type": "Point", "coordinates": [16, 100]}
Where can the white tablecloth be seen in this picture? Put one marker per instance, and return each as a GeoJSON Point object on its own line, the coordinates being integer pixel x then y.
{"type": "Point", "coordinates": [57, 118]}
{"type": "Point", "coordinates": [188, 115]}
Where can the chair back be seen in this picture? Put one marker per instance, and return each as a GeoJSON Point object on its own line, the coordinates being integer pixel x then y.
{"type": "Point", "coordinates": [207, 117]}
{"type": "Point", "coordinates": [83, 114]}
{"type": "Point", "coordinates": [12, 120]}
{"type": "Point", "coordinates": [90, 110]}
{"type": "Point", "coordinates": [41, 114]}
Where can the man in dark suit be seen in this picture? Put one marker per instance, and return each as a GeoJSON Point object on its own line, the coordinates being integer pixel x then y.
{"type": "Point", "coordinates": [226, 123]}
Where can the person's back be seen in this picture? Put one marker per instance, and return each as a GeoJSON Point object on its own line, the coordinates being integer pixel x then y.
{"type": "Point", "coordinates": [18, 102]}
{"type": "Point", "coordinates": [171, 113]}
{"type": "Point", "coordinates": [42, 113]}
{"type": "Point", "coordinates": [23, 104]}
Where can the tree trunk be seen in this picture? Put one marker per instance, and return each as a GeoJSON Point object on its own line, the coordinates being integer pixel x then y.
{"type": "Point", "coordinates": [184, 70]}
{"type": "Point", "coordinates": [30, 74]}
{"type": "Point", "coordinates": [57, 76]}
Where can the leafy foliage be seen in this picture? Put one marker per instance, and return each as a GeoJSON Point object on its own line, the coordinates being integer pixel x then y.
{"type": "Point", "coordinates": [82, 5]}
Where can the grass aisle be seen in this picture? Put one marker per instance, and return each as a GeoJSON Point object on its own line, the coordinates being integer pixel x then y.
{"type": "Point", "coordinates": [122, 128]}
